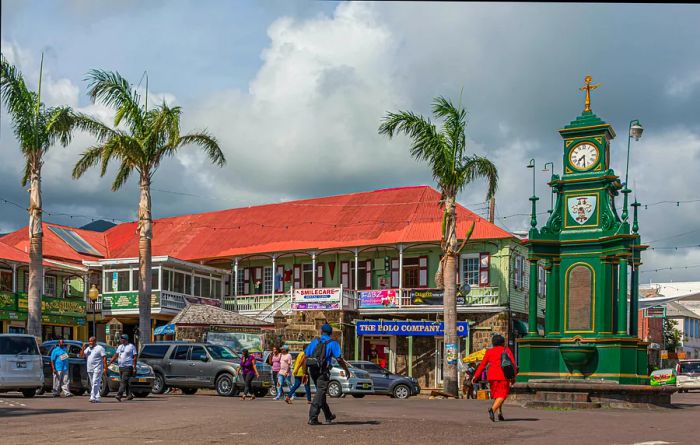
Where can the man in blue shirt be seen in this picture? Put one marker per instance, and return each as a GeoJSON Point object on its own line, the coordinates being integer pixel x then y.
{"type": "Point", "coordinates": [59, 366]}
{"type": "Point", "coordinates": [320, 372]}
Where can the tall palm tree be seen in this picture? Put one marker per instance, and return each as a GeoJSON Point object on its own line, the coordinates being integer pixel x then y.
{"type": "Point", "coordinates": [453, 169]}
{"type": "Point", "coordinates": [139, 141]}
{"type": "Point", "coordinates": [37, 128]}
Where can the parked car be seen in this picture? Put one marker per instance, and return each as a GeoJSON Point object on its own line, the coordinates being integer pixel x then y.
{"type": "Point", "coordinates": [358, 384]}
{"type": "Point", "coordinates": [78, 381]}
{"type": "Point", "coordinates": [688, 375]}
{"type": "Point", "coordinates": [191, 366]}
{"type": "Point", "coordinates": [387, 383]}
{"type": "Point", "coordinates": [20, 364]}
{"type": "Point", "coordinates": [663, 377]}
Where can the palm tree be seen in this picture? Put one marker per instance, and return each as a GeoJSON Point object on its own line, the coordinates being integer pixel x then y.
{"type": "Point", "coordinates": [453, 169]}
{"type": "Point", "coordinates": [140, 140]}
{"type": "Point", "coordinates": [37, 128]}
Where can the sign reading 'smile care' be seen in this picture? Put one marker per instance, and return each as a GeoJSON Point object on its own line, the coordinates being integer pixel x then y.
{"type": "Point", "coordinates": [316, 299]}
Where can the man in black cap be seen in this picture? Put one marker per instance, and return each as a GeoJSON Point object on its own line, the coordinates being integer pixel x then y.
{"type": "Point", "coordinates": [126, 355]}
{"type": "Point", "coordinates": [317, 359]}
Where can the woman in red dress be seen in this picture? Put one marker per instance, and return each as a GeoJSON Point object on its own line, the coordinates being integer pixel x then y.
{"type": "Point", "coordinates": [499, 384]}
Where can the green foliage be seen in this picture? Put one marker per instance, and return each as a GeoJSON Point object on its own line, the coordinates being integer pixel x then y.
{"type": "Point", "coordinates": [672, 336]}
{"type": "Point", "coordinates": [140, 139]}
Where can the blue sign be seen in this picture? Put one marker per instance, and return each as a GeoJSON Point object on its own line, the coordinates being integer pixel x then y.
{"type": "Point", "coordinates": [407, 328]}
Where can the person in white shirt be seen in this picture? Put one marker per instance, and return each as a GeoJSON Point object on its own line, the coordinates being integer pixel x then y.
{"type": "Point", "coordinates": [126, 355]}
{"type": "Point", "coordinates": [96, 366]}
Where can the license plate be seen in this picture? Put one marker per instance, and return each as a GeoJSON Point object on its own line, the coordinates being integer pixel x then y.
{"type": "Point", "coordinates": [267, 384]}
{"type": "Point", "coordinates": [365, 386]}
{"type": "Point", "coordinates": [142, 380]}
{"type": "Point", "coordinates": [21, 364]}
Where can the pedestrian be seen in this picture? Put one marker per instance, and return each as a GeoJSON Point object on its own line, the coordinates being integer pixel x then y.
{"type": "Point", "coordinates": [96, 366]}
{"type": "Point", "coordinates": [274, 360]}
{"type": "Point", "coordinates": [501, 374]}
{"type": "Point", "coordinates": [468, 387]}
{"type": "Point", "coordinates": [126, 360]}
{"type": "Point", "coordinates": [318, 356]}
{"type": "Point", "coordinates": [249, 372]}
{"type": "Point", "coordinates": [59, 368]}
{"type": "Point", "coordinates": [285, 373]}
{"type": "Point", "coordinates": [301, 377]}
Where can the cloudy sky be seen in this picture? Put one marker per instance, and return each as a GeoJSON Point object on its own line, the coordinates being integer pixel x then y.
{"type": "Point", "coordinates": [295, 91]}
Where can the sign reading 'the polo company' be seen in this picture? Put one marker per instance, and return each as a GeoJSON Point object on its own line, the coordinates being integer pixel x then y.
{"type": "Point", "coordinates": [316, 299]}
{"type": "Point", "coordinates": [407, 328]}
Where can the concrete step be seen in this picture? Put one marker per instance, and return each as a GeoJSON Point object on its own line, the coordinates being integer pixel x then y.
{"type": "Point", "coordinates": [561, 405]}
{"type": "Point", "coordinates": [561, 396]}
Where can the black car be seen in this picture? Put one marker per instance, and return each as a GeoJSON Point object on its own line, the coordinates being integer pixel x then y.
{"type": "Point", "coordinates": [78, 381]}
{"type": "Point", "coordinates": [388, 383]}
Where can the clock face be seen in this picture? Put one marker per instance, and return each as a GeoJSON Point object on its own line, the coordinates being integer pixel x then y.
{"type": "Point", "coordinates": [584, 156]}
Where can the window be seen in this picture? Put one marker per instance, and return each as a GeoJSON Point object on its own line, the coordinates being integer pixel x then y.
{"type": "Point", "coordinates": [307, 276]}
{"type": "Point", "coordinates": [240, 283]}
{"type": "Point", "coordinates": [154, 351]}
{"type": "Point", "coordinates": [180, 352]}
{"type": "Point", "coordinates": [519, 274]}
{"type": "Point", "coordinates": [50, 286]}
{"type": "Point", "coordinates": [410, 273]}
{"type": "Point", "coordinates": [267, 280]}
{"type": "Point", "coordinates": [179, 282]}
{"type": "Point", "coordinates": [5, 281]}
{"type": "Point", "coordinates": [219, 352]}
{"type": "Point", "coordinates": [216, 289]}
{"type": "Point", "coordinates": [136, 276]}
{"type": "Point", "coordinates": [470, 269]}
{"type": "Point", "coordinates": [364, 274]}
{"type": "Point", "coordinates": [197, 286]}
{"type": "Point", "coordinates": [117, 281]}
{"type": "Point", "coordinates": [49, 332]}
{"type": "Point", "coordinates": [18, 345]}
{"type": "Point", "coordinates": [167, 274]}
{"type": "Point", "coordinates": [198, 353]}
{"type": "Point", "coordinates": [206, 288]}
{"type": "Point", "coordinates": [541, 281]}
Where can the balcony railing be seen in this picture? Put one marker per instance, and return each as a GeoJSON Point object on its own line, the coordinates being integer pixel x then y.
{"type": "Point", "coordinates": [172, 300]}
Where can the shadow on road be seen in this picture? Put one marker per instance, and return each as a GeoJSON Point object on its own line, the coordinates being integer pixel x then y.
{"type": "Point", "coordinates": [20, 412]}
{"type": "Point", "coordinates": [522, 419]}
{"type": "Point", "coordinates": [357, 422]}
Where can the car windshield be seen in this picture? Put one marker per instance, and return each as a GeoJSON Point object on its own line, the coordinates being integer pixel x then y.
{"type": "Point", "coordinates": [219, 352]}
{"type": "Point", "coordinates": [690, 368]}
{"type": "Point", "coordinates": [373, 367]}
{"type": "Point", "coordinates": [18, 345]}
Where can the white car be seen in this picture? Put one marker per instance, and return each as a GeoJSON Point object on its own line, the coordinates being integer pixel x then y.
{"type": "Point", "coordinates": [688, 375]}
{"type": "Point", "coordinates": [21, 368]}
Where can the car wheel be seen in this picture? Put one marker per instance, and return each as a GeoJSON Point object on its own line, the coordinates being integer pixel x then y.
{"type": "Point", "coordinates": [189, 391]}
{"type": "Point", "coordinates": [358, 396]}
{"type": "Point", "coordinates": [77, 392]}
{"type": "Point", "coordinates": [158, 384]}
{"type": "Point", "coordinates": [141, 394]}
{"type": "Point", "coordinates": [272, 392]}
{"type": "Point", "coordinates": [334, 389]}
{"type": "Point", "coordinates": [401, 392]}
{"type": "Point", "coordinates": [29, 393]}
{"type": "Point", "coordinates": [104, 387]}
{"type": "Point", "coordinates": [260, 392]}
{"type": "Point", "coordinates": [39, 391]}
{"type": "Point", "coordinates": [224, 385]}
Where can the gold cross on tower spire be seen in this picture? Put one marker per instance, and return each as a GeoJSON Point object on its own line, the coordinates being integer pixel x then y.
{"type": "Point", "coordinates": [588, 89]}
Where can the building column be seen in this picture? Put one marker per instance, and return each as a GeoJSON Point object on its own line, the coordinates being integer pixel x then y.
{"type": "Point", "coordinates": [357, 345]}
{"type": "Point", "coordinates": [235, 283]}
{"type": "Point", "coordinates": [274, 268]}
{"type": "Point", "coordinates": [622, 298]}
{"type": "Point", "coordinates": [313, 271]}
{"type": "Point", "coordinates": [532, 300]}
{"type": "Point", "coordinates": [634, 299]}
{"type": "Point", "coordinates": [401, 273]}
{"type": "Point", "coordinates": [14, 278]}
{"type": "Point", "coordinates": [410, 356]}
{"type": "Point", "coordinates": [356, 274]}
{"type": "Point", "coordinates": [550, 315]}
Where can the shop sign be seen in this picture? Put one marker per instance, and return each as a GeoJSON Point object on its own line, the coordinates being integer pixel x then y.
{"type": "Point", "coordinates": [451, 353]}
{"type": "Point", "coordinates": [407, 328]}
{"type": "Point", "coordinates": [126, 301]}
{"type": "Point", "coordinates": [7, 301]}
{"type": "Point", "coordinates": [55, 306]}
{"type": "Point", "coordinates": [316, 299]}
{"type": "Point", "coordinates": [431, 297]}
{"type": "Point", "coordinates": [378, 299]}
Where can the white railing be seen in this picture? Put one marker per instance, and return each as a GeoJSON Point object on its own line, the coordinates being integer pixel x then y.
{"type": "Point", "coordinates": [282, 304]}
{"type": "Point", "coordinates": [172, 300]}
{"type": "Point", "coordinates": [97, 305]}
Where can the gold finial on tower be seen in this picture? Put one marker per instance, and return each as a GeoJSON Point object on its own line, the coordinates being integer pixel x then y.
{"type": "Point", "coordinates": [588, 89]}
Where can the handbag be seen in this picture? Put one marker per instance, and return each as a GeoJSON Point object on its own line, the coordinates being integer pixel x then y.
{"type": "Point", "coordinates": [507, 366]}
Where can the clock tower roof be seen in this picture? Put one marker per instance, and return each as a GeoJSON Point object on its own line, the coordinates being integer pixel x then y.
{"type": "Point", "coordinates": [585, 125]}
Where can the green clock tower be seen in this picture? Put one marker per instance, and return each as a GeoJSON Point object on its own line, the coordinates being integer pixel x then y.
{"type": "Point", "coordinates": [590, 252]}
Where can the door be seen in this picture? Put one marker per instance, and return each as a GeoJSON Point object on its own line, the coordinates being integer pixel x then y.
{"type": "Point", "coordinates": [178, 366]}
{"type": "Point", "coordinates": [439, 347]}
{"type": "Point", "coordinates": [201, 370]}
{"type": "Point", "coordinates": [382, 382]}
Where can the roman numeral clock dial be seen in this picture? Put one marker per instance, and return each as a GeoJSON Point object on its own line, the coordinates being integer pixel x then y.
{"type": "Point", "coordinates": [583, 156]}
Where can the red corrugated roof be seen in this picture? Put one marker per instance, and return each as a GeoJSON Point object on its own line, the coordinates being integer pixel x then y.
{"type": "Point", "coordinates": [11, 254]}
{"type": "Point", "coordinates": [55, 247]}
{"type": "Point", "coordinates": [388, 216]}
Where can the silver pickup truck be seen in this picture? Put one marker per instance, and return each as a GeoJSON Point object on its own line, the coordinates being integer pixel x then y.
{"type": "Point", "coordinates": [191, 366]}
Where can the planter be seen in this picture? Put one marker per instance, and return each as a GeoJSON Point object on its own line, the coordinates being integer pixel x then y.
{"type": "Point", "coordinates": [578, 357]}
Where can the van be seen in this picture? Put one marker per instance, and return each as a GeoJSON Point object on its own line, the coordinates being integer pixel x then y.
{"type": "Point", "coordinates": [688, 375]}
{"type": "Point", "coordinates": [20, 364]}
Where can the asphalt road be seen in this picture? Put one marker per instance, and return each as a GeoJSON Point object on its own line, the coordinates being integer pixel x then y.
{"type": "Point", "coordinates": [207, 418]}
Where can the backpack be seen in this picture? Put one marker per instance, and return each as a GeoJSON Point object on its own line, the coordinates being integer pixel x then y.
{"type": "Point", "coordinates": [507, 366]}
{"type": "Point", "coordinates": [317, 359]}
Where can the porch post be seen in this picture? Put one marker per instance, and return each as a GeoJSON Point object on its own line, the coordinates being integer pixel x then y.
{"type": "Point", "coordinates": [357, 345]}
{"type": "Point", "coordinates": [14, 278]}
{"type": "Point", "coordinates": [235, 285]}
{"type": "Point", "coordinates": [357, 263]}
{"type": "Point", "coordinates": [274, 269]}
{"type": "Point", "coordinates": [622, 298]}
{"type": "Point", "coordinates": [313, 270]}
{"type": "Point", "coordinates": [401, 275]}
{"type": "Point", "coordinates": [410, 356]}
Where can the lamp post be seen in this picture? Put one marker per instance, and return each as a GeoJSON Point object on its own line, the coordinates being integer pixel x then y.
{"type": "Point", "coordinates": [551, 195]}
{"type": "Point", "coordinates": [93, 295]}
{"type": "Point", "coordinates": [635, 131]}
{"type": "Point", "coordinates": [533, 198]}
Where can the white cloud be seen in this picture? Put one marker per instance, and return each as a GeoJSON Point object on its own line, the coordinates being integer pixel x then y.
{"type": "Point", "coordinates": [683, 87]}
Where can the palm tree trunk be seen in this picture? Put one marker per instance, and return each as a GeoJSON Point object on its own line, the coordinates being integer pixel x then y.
{"type": "Point", "coordinates": [145, 236]}
{"type": "Point", "coordinates": [450, 247]}
{"type": "Point", "coordinates": [36, 269]}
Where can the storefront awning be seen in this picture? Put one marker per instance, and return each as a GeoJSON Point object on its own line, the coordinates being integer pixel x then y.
{"type": "Point", "coordinates": [520, 327]}
{"type": "Point", "coordinates": [167, 329]}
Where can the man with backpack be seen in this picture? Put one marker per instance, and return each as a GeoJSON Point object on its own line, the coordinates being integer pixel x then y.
{"type": "Point", "coordinates": [318, 356]}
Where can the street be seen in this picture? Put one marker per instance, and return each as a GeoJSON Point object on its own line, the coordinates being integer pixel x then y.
{"type": "Point", "coordinates": [206, 418]}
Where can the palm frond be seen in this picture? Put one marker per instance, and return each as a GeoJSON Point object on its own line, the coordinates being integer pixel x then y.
{"type": "Point", "coordinates": [113, 90]}
{"type": "Point", "coordinates": [480, 167]}
{"type": "Point", "coordinates": [208, 143]}
{"type": "Point", "coordinates": [88, 159]}
{"type": "Point", "coordinates": [125, 170]}
{"type": "Point", "coordinates": [59, 125]}
{"type": "Point", "coordinates": [93, 126]}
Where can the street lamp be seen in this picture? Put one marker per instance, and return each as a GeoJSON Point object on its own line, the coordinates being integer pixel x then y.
{"type": "Point", "coordinates": [533, 198]}
{"type": "Point", "coordinates": [551, 195]}
{"type": "Point", "coordinates": [635, 131]}
{"type": "Point", "coordinates": [93, 295]}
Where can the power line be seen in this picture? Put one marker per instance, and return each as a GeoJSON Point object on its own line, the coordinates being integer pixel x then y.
{"type": "Point", "coordinates": [670, 268]}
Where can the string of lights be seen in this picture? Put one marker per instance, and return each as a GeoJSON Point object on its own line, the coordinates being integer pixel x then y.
{"type": "Point", "coordinates": [669, 268]}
